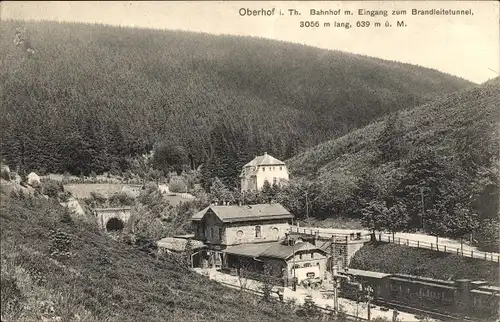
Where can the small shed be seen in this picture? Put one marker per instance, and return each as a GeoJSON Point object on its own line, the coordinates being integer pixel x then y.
{"type": "Point", "coordinates": [177, 245]}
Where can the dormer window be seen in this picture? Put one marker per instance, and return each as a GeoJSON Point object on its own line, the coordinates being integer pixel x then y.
{"type": "Point", "coordinates": [281, 168]}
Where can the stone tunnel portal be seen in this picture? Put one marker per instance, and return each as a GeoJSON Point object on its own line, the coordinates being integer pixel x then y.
{"type": "Point", "coordinates": [114, 224]}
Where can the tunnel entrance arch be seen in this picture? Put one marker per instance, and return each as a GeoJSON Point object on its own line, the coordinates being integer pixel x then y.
{"type": "Point", "coordinates": [114, 224]}
{"type": "Point", "coordinates": [112, 219]}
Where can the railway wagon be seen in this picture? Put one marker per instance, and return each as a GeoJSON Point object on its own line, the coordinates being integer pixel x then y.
{"type": "Point", "coordinates": [461, 297]}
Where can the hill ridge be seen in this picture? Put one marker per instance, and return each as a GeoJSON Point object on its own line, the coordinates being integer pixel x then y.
{"type": "Point", "coordinates": [87, 87]}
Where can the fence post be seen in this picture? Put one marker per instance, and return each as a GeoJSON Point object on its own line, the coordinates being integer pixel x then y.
{"type": "Point", "coordinates": [445, 248]}
{"type": "Point", "coordinates": [418, 244]}
{"type": "Point", "coordinates": [485, 256]}
{"type": "Point", "coordinates": [399, 241]}
{"type": "Point", "coordinates": [472, 253]}
{"type": "Point", "coordinates": [431, 246]}
{"type": "Point", "coordinates": [457, 252]}
{"type": "Point", "coordinates": [407, 242]}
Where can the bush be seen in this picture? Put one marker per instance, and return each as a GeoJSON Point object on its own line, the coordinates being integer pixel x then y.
{"type": "Point", "coordinates": [121, 199]}
{"type": "Point", "coordinates": [98, 198]}
{"type": "Point", "coordinates": [64, 196]}
{"type": "Point", "coordinates": [177, 184]}
{"type": "Point", "coordinates": [60, 243]}
{"type": "Point", "coordinates": [51, 188]}
{"type": "Point", "coordinates": [488, 238]}
{"type": "Point", "coordinates": [309, 309]}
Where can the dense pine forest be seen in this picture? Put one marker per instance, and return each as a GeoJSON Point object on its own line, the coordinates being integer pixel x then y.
{"type": "Point", "coordinates": [85, 98]}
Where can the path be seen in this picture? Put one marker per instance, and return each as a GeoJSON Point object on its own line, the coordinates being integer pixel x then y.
{"type": "Point", "coordinates": [348, 305]}
{"type": "Point", "coordinates": [412, 240]}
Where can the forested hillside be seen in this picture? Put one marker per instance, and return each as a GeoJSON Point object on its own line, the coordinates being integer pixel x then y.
{"type": "Point", "coordinates": [58, 268]}
{"type": "Point", "coordinates": [440, 160]}
{"type": "Point", "coordinates": [82, 98]}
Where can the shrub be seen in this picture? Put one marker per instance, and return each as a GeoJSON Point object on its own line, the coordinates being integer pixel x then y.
{"type": "Point", "coordinates": [11, 296]}
{"type": "Point", "coordinates": [488, 238]}
{"type": "Point", "coordinates": [98, 198]}
{"type": "Point", "coordinates": [309, 309]}
{"type": "Point", "coordinates": [63, 196]}
{"type": "Point", "coordinates": [177, 184]}
{"type": "Point", "coordinates": [60, 244]}
{"type": "Point", "coordinates": [51, 188]}
{"type": "Point", "coordinates": [121, 199]}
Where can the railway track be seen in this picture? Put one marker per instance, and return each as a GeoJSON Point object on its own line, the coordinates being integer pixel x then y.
{"type": "Point", "coordinates": [418, 311]}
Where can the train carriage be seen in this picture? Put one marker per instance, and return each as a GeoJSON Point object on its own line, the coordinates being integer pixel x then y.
{"type": "Point", "coordinates": [458, 298]}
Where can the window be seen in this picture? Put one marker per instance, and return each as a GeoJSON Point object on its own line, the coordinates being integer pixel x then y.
{"type": "Point", "coordinates": [257, 231]}
{"type": "Point", "coordinates": [281, 168]}
{"type": "Point", "coordinates": [300, 256]}
{"type": "Point", "coordinates": [220, 233]}
{"type": "Point", "coordinates": [307, 265]}
{"type": "Point", "coordinates": [312, 255]}
{"type": "Point", "coordinates": [263, 168]}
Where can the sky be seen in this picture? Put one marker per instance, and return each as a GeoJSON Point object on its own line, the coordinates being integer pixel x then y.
{"type": "Point", "coordinates": [465, 46]}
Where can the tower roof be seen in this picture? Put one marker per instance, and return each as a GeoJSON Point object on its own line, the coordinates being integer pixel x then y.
{"type": "Point", "coordinates": [265, 159]}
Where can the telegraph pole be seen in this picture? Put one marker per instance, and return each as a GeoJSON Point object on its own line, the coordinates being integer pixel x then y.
{"type": "Point", "coordinates": [369, 292]}
{"type": "Point", "coordinates": [307, 209]}
{"type": "Point", "coordinates": [423, 207]}
{"type": "Point", "coordinates": [294, 286]}
{"type": "Point", "coordinates": [334, 276]}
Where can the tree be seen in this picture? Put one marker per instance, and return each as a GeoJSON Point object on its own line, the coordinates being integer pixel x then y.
{"type": "Point", "coordinates": [462, 222]}
{"type": "Point", "coordinates": [488, 235]}
{"type": "Point", "coordinates": [168, 156]}
{"type": "Point", "coordinates": [435, 221]}
{"type": "Point", "coordinates": [269, 192]}
{"type": "Point", "coordinates": [242, 275]}
{"type": "Point", "coordinates": [397, 218]}
{"type": "Point", "coordinates": [309, 309]}
{"type": "Point", "coordinates": [268, 279]}
{"type": "Point", "coordinates": [375, 216]}
{"type": "Point", "coordinates": [220, 193]}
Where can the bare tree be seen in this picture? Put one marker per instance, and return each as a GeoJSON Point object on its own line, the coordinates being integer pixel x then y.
{"type": "Point", "coordinates": [243, 271]}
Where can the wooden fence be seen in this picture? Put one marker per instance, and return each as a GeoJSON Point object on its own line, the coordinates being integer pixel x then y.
{"type": "Point", "coordinates": [493, 257]}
